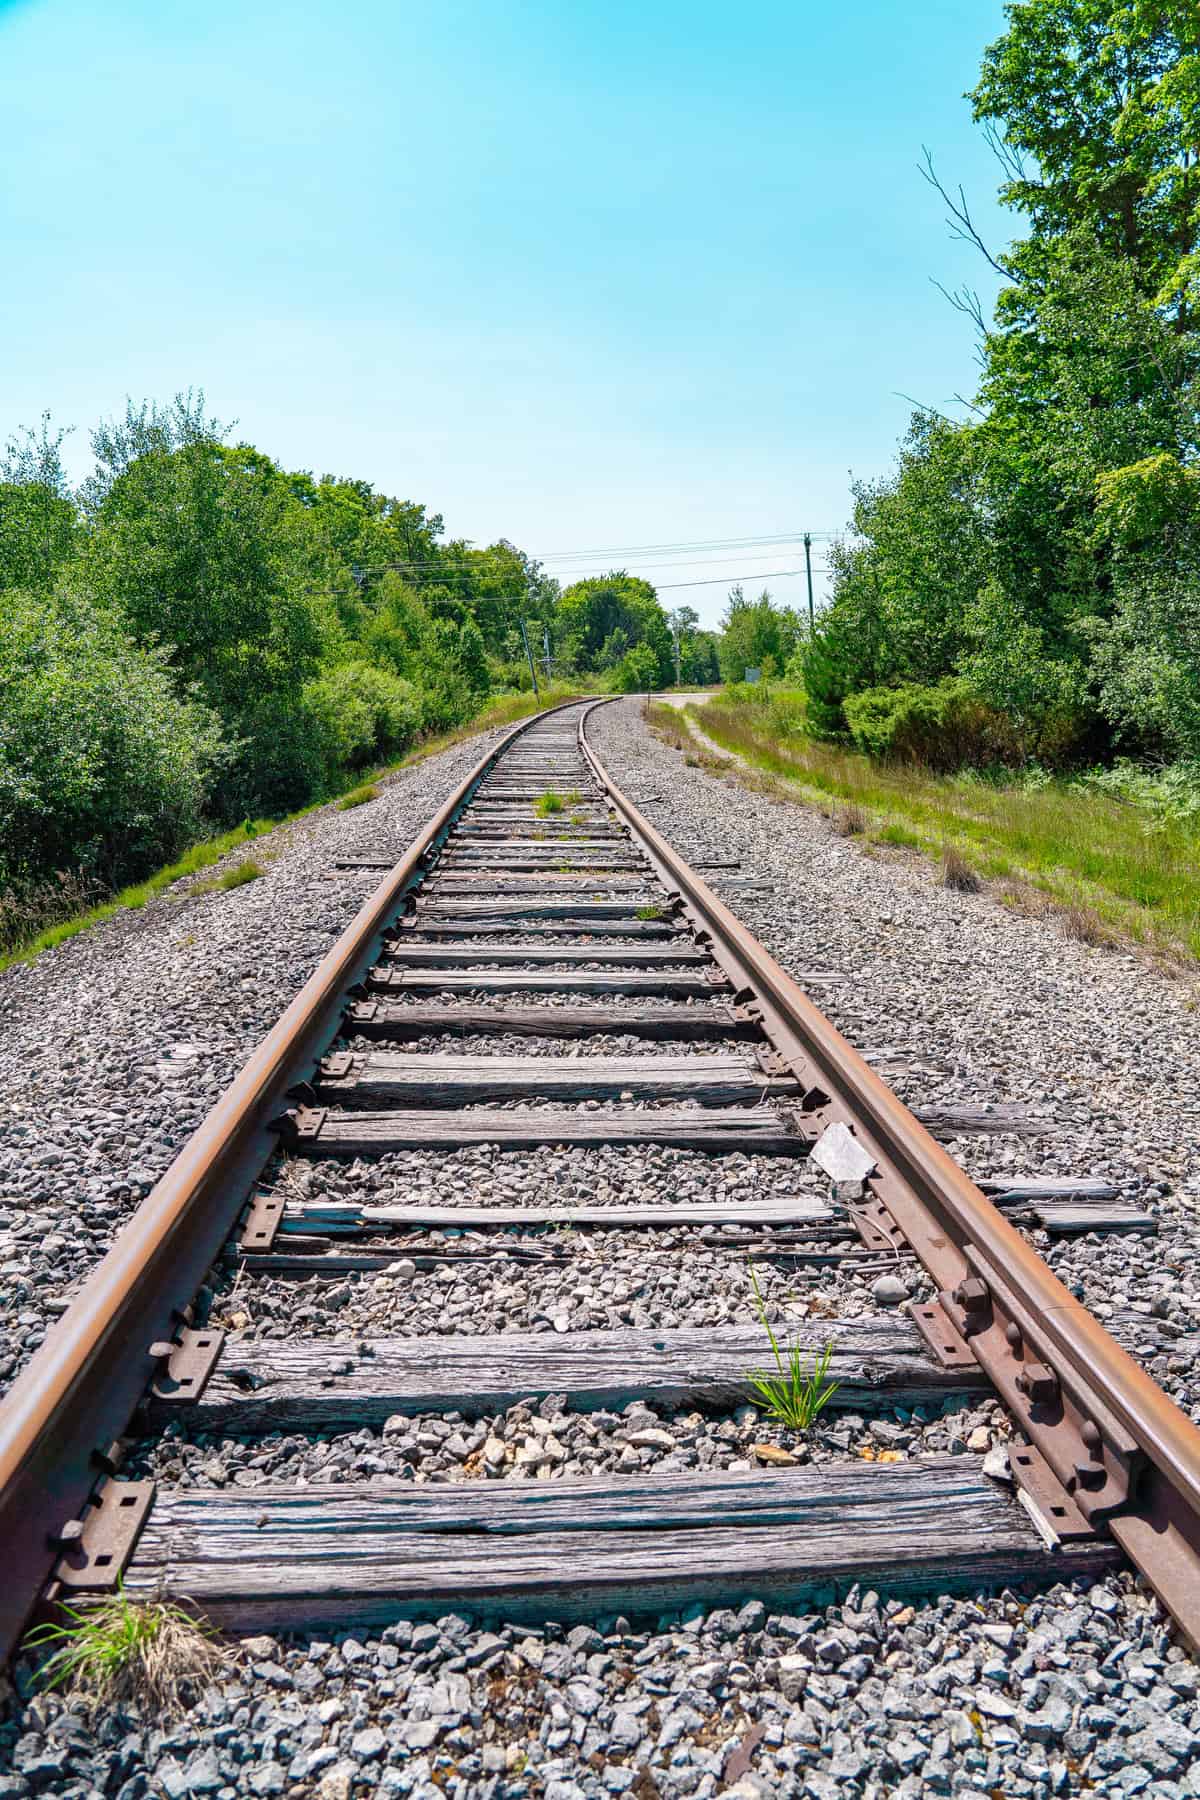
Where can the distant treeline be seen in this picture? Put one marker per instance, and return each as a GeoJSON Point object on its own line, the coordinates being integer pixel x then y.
{"type": "Point", "coordinates": [197, 636]}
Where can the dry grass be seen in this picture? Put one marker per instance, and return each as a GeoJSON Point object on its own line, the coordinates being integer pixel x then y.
{"type": "Point", "coordinates": [956, 872]}
{"type": "Point", "coordinates": [848, 820]}
{"type": "Point", "coordinates": [1084, 924]}
{"type": "Point", "coordinates": [117, 1650]}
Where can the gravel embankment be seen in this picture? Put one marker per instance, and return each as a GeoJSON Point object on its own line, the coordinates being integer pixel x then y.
{"type": "Point", "coordinates": [1076, 1689]}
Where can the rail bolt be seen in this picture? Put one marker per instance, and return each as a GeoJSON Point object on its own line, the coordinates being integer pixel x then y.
{"type": "Point", "coordinates": [972, 1295]}
{"type": "Point", "coordinates": [1038, 1382]}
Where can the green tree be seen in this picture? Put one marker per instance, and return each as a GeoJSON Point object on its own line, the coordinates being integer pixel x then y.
{"type": "Point", "coordinates": [755, 634]}
{"type": "Point", "coordinates": [1095, 107]}
{"type": "Point", "coordinates": [205, 550]}
{"type": "Point", "coordinates": [104, 766]}
{"type": "Point", "coordinates": [597, 621]}
{"type": "Point", "coordinates": [38, 517]}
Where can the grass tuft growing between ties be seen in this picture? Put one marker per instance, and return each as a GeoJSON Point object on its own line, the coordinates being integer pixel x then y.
{"type": "Point", "coordinates": [119, 1650]}
{"type": "Point", "coordinates": [795, 1394]}
{"type": "Point", "coordinates": [548, 804]}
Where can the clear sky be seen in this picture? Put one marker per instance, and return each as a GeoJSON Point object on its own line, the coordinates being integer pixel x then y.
{"type": "Point", "coordinates": [582, 273]}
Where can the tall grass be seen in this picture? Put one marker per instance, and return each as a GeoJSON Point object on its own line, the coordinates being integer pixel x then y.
{"type": "Point", "coordinates": [1083, 847]}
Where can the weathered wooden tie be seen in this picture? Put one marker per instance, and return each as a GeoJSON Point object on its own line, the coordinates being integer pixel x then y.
{"type": "Point", "coordinates": [392, 1078]}
{"type": "Point", "coordinates": [392, 1023]}
{"type": "Point", "coordinates": [714, 1131]}
{"type": "Point", "coordinates": [297, 1384]}
{"type": "Point", "coordinates": [348, 1220]}
{"type": "Point", "coordinates": [663, 983]}
{"type": "Point", "coordinates": [275, 1558]}
{"type": "Point", "coordinates": [403, 952]}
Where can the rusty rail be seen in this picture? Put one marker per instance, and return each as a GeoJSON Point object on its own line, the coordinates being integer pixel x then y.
{"type": "Point", "coordinates": [1112, 1450]}
{"type": "Point", "coordinates": [60, 1419]}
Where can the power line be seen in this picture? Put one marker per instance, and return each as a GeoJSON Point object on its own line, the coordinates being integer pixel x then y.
{"type": "Point", "coordinates": [783, 537]}
{"type": "Point", "coordinates": [723, 580]}
{"type": "Point", "coordinates": [460, 568]}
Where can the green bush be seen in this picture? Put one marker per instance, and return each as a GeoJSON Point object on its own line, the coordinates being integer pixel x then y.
{"type": "Point", "coordinates": [362, 714]}
{"type": "Point", "coordinates": [104, 768]}
{"type": "Point", "coordinates": [278, 762]}
{"type": "Point", "coordinates": [637, 672]}
{"type": "Point", "coordinates": [941, 727]}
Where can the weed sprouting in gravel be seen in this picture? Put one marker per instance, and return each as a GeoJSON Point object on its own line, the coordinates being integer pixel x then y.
{"type": "Point", "coordinates": [649, 913]}
{"type": "Point", "coordinates": [119, 1650]}
{"type": "Point", "coordinates": [794, 1395]}
{"type": "Point", "coordinates": [548, 804]}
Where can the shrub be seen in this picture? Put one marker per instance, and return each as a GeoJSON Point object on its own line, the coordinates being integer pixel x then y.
{"type": "Point", "coordinates": [942, 727]}
{"type": "Point", "coordinates": [278, 762]}
{"type": "Point", "coordinates": [362, 713]}
{"type": "Point", "coordinates": [637, 672]}
{"type": "Point", "coordinates": [104, 768]}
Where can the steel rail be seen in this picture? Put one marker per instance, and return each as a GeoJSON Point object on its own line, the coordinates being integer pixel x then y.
{"type": "Point", "coordinates": [1124, 1453]}
{"type": "Point", "coordinates": [60, 1419]}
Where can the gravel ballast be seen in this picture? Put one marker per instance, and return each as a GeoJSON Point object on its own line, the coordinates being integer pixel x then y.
{"type": "Point", "coordinates": [114, 1046]}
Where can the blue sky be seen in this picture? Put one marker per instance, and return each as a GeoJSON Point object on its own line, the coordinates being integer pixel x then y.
{"type": "Point", "coordinates": [586, 274]}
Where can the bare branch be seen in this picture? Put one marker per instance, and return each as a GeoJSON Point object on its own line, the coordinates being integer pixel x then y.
{"type": "Point", "coordinates": [966, 301]}
{"type": "Point", "coordinates": [1010, 160]}
{"type": "Point", "coordinates": [923, 406]}
{"type": "Point", "coordinates": [960, 222]}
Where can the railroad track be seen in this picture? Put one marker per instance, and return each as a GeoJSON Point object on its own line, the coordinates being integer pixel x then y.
{"type": "Point", "coordinates": [509, 917]}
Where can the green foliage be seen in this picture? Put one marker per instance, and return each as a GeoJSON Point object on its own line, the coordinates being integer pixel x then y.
{"type": "Point", "coordinates": [117, 1650]}
{"type": "Point", "coordinates": [547, 804]}
{"type": "Point", "coordinates": [1045, 551]}
{"type": "Point", "coordinates": [756, 634]}
{"type": "Point", "coordinates": [359, 796]}
{"type": "Point", "coordinates": [598, 622]}
{"type": "Point", "coordinates": [237, 877]}
{"type": "Point", "coordinates": [943, 726]}
{"type": "Point", "coordinates": [205, 550]}
{"type": "Point", "coordinates": [104, 764]}
{"type": "Point", "coordinates": [637, 672]}
{"type": "Point", "coordinates": [795, 1394]}
{"type": "Point", "coordinates": [362, 714]}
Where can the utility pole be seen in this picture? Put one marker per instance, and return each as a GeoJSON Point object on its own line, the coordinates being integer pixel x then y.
{"type": "Point", "coordinates": [549, 660]}
{"type": "Point", "coordinates": [678, 674]}
{"type": "Point", "coordinates": [808, 566]}
{"type": "Point", "coordinates": [532, 670]}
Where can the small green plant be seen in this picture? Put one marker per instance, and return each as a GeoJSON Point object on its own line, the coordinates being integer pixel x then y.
{"type": "Point", "coordinates": [794, 1395]}
{"type": "Point", "coordinates": [358, 796]}
{"type": "Point", "coordinates": [649, 912]}
{"type": "Point", "coordinates": [236, 877]}
{"type": "Point", "coordinates": [118, 1649]}
{"type": "Point", "coordinates": [548, 804]}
